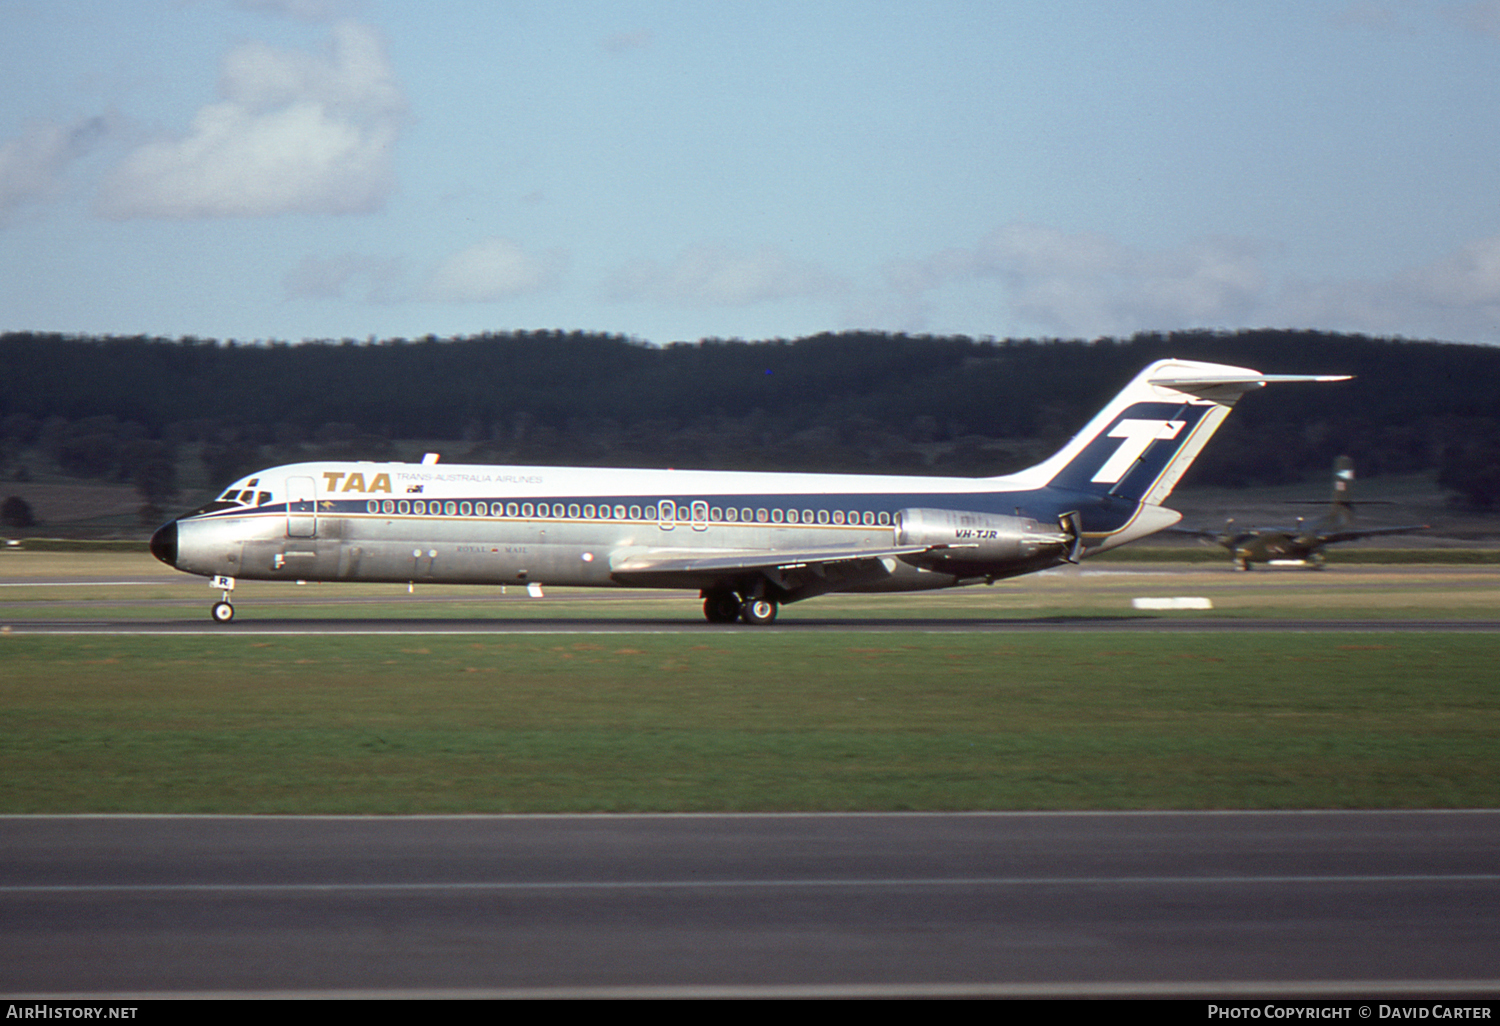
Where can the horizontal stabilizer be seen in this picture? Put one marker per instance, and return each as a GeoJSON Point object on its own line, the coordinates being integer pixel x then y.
{"type": "Point", "coordinates": [1226, 388]}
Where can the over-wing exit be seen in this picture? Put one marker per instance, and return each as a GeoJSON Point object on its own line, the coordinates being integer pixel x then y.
{"type": "Point", "coordinates": [748, 542]}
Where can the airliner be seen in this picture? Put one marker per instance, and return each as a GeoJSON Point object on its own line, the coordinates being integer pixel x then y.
{"type": "Point", "coordinates": [748, 542]}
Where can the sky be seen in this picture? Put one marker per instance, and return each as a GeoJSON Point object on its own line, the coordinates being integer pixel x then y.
{"type": "Point", "coordinates": [755, 169]}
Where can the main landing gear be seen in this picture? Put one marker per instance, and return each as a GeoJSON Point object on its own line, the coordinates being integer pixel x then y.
{"type": "Point", "coordinates": [727, 607]}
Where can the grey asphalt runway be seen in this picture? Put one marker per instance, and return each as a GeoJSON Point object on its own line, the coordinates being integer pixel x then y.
{"type": "Point", "coordinates": [1363, 598]}
{"type": "Point", "coordinates": [1348, 905]}
{"type": "Point", "coordinates": [688, 626]}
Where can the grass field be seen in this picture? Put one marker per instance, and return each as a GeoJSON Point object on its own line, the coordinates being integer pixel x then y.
{"type": "Point", "coordinates": [746, 722]}
{"type": "Point", "coordinates": [754, 719]}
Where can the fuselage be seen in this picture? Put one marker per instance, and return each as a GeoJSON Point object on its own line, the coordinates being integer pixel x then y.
{"type": "Point", "coordinates": [477, 524]}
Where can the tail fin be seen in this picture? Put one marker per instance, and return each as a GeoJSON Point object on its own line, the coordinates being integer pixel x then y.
{"type": "Point", "coordinates": [1145, 438]}
{"type": "Point", "coordinates": [1341, 511]}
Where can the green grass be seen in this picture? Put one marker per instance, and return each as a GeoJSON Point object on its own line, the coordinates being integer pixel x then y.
{"type": "Point", "coordinates": [752, 721]}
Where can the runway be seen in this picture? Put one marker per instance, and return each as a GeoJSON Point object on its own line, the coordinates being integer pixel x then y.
{"type": "Point", "coordinates": [637, 627]}
{"type": "Point", "coordinates": [1320, 904]}
{"type": "Point", "coordinates": [1358, 598]}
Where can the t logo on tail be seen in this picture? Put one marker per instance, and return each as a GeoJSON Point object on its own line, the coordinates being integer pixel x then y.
{"type": "Point", "coordinates": [1138, 435]}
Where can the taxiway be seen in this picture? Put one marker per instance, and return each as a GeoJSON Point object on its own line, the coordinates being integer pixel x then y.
{"type": "Point", "coordinates": [1327, 904]}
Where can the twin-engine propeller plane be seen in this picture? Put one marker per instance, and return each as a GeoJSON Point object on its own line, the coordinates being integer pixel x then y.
{"type": "Point", "coordinates": [1301, 545]}
{"type": "Point", "coordinates": [749, 542]}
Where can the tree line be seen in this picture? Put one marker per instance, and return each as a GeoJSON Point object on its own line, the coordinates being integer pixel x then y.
{"type": "Point", "coordinates": [128, 408]}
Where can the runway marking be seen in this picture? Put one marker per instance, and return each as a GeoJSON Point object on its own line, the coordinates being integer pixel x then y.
{"type": "Point", "coordinates": [622, 885]}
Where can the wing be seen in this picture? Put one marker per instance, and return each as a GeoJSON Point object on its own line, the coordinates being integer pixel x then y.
{"type": "Point", "coordinates": [1193, 533]}
{"type": "Point", "coordinates": [1343, 536]}
{"type": "Point", "coordinates": [818, 569]}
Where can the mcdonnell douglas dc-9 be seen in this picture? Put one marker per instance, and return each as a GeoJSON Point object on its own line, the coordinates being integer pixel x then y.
{"type": "Point", "coordinates": [748, 542]}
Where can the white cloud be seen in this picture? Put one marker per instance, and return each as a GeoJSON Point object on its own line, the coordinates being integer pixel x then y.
{"type": "Point", "coordinates": [1482, 16]}
{"type": "Point", "coordinates": [294, 133]}
{"type": "Point", "coordinates": [303, 10]}
{"type": "Point", "coordinates": [625, 42]}
{"type": "Point", "coordinates": [1088, 283]}
{"type": "Point", "coordinates": [1372, 15]}
{"type": "Point", "coordinates": [492, 270]}
{"type": "Point", "coordinates": [712, 275]}
{"type": "Point", "coordinates": [330, 277]}
{"type": "Point", "coordinates": [1468, 277]}
{"type": "Point", "coordinates": [1456, 297]}
{"type": "Point", "coordinates": [34, 165]}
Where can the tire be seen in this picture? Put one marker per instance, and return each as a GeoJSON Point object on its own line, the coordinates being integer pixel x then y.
{"type": "Point", "coordinates": [721, 607]}
{"type": "Point", "coordinates": [758, 612]}
{"type": "Point", "coordinates": [222, 612]}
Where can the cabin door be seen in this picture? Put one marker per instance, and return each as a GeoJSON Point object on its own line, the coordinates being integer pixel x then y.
{"type": "Point", "coordinates": [301, 508]}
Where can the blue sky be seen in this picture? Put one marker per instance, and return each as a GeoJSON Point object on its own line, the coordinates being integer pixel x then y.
{"type": "Point", "coordinates": [295, 169]}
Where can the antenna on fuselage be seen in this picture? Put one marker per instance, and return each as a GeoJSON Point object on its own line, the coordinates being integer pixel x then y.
{"type": "Point", "coordinates": [429, 458]}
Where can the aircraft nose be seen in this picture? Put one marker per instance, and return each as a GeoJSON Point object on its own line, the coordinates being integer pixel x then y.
{"type": "Point", "coordinates": [164, 543]}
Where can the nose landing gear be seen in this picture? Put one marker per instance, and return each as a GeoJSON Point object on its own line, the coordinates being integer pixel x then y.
{"type": "Point", "coordinates": [223, 611]}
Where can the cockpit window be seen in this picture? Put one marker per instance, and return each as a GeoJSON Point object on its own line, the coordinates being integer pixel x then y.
{"type": "Point", "coordinates": [242, 497]}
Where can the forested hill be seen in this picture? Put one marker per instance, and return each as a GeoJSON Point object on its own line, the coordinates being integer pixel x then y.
{"type": "Point", "coordinates": [850, 401]}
